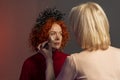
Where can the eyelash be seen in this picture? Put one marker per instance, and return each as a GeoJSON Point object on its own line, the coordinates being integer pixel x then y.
{"type": "Point", "coordinates": [53, 33]}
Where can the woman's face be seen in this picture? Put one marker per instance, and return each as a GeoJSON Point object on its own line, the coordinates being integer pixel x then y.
{"type": "Point", "coordinates": [55, 36]}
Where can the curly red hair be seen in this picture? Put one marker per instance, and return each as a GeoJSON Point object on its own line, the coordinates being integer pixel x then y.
{"type": "Point", "coordinates": [40, 34]}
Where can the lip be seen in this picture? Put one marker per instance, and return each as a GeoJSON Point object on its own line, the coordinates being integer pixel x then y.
{"type": "Point", "coordinates": [57, 43]}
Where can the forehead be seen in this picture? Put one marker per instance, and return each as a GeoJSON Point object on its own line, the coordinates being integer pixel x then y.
{"type": "Point", "coordinates": [56, 27]}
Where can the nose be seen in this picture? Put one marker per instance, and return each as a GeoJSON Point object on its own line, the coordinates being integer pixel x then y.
{"type": "Point", "coordinates": [57, 37]}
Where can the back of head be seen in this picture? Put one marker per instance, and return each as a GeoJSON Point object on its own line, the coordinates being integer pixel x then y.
{"type": "Point", "coordinates": [91, 26]}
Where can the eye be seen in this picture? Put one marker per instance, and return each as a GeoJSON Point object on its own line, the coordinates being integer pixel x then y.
{"type": "Point", "coordinates": [60, 33]}
{"type": "Point", "coordinates": [52, 33]}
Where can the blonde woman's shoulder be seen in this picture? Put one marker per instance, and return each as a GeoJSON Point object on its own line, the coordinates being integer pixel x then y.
{"type": "Point", "coordinates": [114, 49]}
{"type": "Point", "coordinates": [79, 54]}
{"type": "Point", "coordinates": [114, 52]}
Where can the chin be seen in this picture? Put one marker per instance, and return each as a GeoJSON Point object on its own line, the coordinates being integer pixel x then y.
{"type": "Point", "coordinates": [56, 47]}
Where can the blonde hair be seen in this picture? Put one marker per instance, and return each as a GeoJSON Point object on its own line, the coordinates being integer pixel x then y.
{"type": "Point", "coordinates": [91, 26]}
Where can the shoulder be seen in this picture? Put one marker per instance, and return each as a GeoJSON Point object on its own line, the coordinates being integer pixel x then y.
{"type": "Point", "coordinates": [64, 54]}
{"type": "Point", "coordinates": [34, 59]}
{"type": "Point", "coordinates": [72, 58]}
{"type": "Point", "coordinates": [59, 54]}
{"type": "Point", "coordinates": [77, 55]}
{"type": "Point", "coordinates": [72, 61]}
{"type": "Point", "coordinates": [114, 50]}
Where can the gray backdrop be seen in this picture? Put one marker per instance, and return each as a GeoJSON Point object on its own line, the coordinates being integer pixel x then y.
{"type": "Point", "coordinates": [17, 17]}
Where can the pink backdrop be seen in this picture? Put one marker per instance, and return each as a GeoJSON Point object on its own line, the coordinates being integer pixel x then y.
{"type": "Point", "coordinates": [17, 17]}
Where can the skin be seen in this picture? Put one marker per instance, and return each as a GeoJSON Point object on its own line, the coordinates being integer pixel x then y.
{"type": "Point", "coordinates": [55, 36]}
{"type": "Point", "coordinates": [54, 42]}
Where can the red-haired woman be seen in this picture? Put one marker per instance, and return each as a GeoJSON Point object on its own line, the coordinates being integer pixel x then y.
{"type": "Point", "coordinates": [51, 30]}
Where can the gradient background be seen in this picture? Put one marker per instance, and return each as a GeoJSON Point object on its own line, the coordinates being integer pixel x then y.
{"type": "Point", "coordinates": [17, 17]}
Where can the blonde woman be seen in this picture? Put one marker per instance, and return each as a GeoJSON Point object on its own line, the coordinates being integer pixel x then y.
{"type": "Point", "coordinates": [98, 60]}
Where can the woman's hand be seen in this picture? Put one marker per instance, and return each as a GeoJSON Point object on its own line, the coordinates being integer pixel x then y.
{"type": "Point", "coordinates": [46, 50]}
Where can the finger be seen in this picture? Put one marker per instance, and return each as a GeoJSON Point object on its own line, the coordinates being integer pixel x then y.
{"type": "Point", "coordinates": [39, 46]}
{"type": "Point", "coordinates": [46, 53]}
{"type": "Point", "coordinates": [44, 43]}
{"type": "Point", "coordinates": [50, 48]}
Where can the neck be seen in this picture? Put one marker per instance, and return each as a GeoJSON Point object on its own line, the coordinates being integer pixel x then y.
{"type": "Point", "coordinates": [54, 50]}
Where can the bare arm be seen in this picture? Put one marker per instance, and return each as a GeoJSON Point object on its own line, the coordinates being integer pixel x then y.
{"type": "Point", "coordinates": [47, 53]}
{"type": "Point", "coordinates": [68, 70]}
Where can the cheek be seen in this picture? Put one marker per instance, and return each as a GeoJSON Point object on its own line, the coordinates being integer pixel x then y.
{"type": "Point", "coordinates": [52, 38]}
{"type": "Point", "coordinates": [60, 38]}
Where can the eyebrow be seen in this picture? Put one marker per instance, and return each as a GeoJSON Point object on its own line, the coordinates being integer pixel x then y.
{"type": "Point", "coordinates": [55, 31]}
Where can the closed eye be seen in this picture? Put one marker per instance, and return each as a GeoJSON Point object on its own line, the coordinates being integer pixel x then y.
{"type": "Point", "coordinates": [52, 33]}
